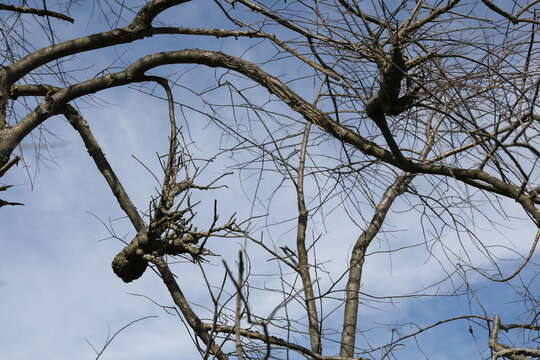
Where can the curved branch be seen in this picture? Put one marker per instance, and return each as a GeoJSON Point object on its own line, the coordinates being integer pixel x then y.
{"type": "Point", "coordinates": [137, 29]}
{"type": "Point", "coordinates": [39, 12]}
{"type": "Point", "coordinates": [520, 267]}
{"type": "Point", "coordinates": [513, 19]}
{"type": "Point", "coordinates": [136, 72]}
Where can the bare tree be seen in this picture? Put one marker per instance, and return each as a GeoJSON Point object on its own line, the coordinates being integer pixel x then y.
{"type": "Point", "coordinates": [426, 106]}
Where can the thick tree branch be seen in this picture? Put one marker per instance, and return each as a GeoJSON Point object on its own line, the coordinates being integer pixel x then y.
{"type": "Point", "coordinates": [468, 100]}
{"type": "Point", "coordinates": [180, 300]}
{"type": "Point", "coordinates": [133, 257]}
{"type": "Point", "coordinates": [506, 351]}
{"type": "Point", "coordinates": [94, 150]}
{"type": "Point", "coordinates": [137, 29]}
{"type": "Point", "coordinates": [513, 19]}
{"type": "Point", "coordinates": [135, 73]}
{"type": "Point", "coordinates": [350, 314]}
{"type": "Point", "coordinates": [9, 165]}
{"type": "Point", "coordinates": [303, 259]}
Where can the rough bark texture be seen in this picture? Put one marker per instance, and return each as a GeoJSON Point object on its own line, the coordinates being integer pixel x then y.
{"type": "Point", "coordinates": [350, 314]}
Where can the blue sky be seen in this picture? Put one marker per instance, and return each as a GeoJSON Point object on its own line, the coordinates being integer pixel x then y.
{"type": "Point", "coordinates": [57, 289]}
